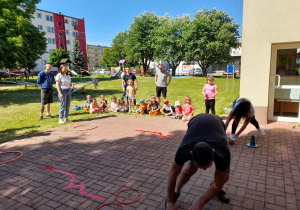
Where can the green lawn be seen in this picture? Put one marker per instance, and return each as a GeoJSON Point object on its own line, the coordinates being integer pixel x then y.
{"type": "Point", "coordinates": [20, 108]}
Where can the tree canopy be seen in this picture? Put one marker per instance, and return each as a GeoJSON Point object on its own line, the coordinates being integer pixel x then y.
{"type": "Point", "coordinates": [21, 43]}
{"type": "Point", "coordinates": [210, 37]}
{"type": "Point", "coordinates": [56, 56]}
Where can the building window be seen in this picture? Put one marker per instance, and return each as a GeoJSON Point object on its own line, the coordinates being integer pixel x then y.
{"type": "Point", "coordinates": [44, 62]}
{"type": "Point", "coordinates": [51, 41]}
{"type": "Point", "coordinates": [66, 21]}
{"type": "Point", "coordinates": [38, 15]}
{"type": "Point", "coordinates": [59, 34]}
{"type": "Point", "coordinates": [50, 29]}
{"type": "Point", "coordinates": [74, 23]}
{"type": "Point", "coordinates": [50, 51]}
{"type": "Point", "coordinates": [40, 27]}
{"type": "Point", "coordinates": [61, 46]}
{"type": "Point", "coordinates": [49, 18]}
{"type": "Point", "coordinates": [58, 24]}
{"type": "Point", "coordinates": [75, 33]}
{"type": "Point", "coordinates": [67, 31]}
{"type": "Point", "coordinates": [68, 42]}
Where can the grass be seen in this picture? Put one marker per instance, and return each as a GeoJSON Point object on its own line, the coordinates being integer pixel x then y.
{"type": "Point", "coordinates": [20, 108]}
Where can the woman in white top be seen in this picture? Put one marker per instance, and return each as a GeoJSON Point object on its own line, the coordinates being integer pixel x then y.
{"type": "Point", "coordinates": [64, 87]}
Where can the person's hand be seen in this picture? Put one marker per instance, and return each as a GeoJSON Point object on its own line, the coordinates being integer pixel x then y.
{"type": "Point", "coordinates": [73, 86]}
{"type": "Point", "coordinates": [235, 137]}
{"type": "Point", "coordinates": [171, 206]}
{"type": "Point", "coordinates": [123, 89]}
{"type": "Point", "coordinates": [61, 95]}
{"type": "Point", "coordinates": [196, 206]}
{"type": "Point", "coordinates": [136, 89]}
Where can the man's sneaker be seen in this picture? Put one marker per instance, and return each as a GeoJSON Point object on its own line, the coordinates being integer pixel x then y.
{"type": "Point", "coordinates": [261, 132]}
{"type": "Point", "coordinates": [67, 120]}
{"type": "Point", "coordinates": [223, 197]}
{"type": "Point", "coordinates": [232, 137]}
{"type": "Point", "coordinates": [41, 117]}
{"type": "Point", "coordinates": [49, 116]}
{"type": "Point", "coordinates": [61, 121]}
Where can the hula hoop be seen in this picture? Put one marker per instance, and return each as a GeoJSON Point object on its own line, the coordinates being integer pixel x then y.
{"type": "Point", "coordinates": [95, 126]}
{"type": "Point", "coordinates": [110, 204]}
{"type": "Point", "coordinates": [128, 190]}
{"type": "Point", "coordinates": [12, 159]}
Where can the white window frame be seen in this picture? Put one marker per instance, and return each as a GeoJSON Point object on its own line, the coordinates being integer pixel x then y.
{"type": "Point", "coordinates": [66, 21]}
{"type": "Point", "coordinates": [68, 42]}
{"type": "Point", "coordinates": [40, 27]}
{"type": "Point", "coordinates": [39, 15]}
{"type": "Point", "coordinates": [67, 32]}
{"type": "Point", "coordinates": [49, 18]}
{"type": "Point", "coordinates": [51, 41]}
{"type": "Point", "coordinates": [50, 29]}
{"type": "Point", "coordinates": [44, 62]}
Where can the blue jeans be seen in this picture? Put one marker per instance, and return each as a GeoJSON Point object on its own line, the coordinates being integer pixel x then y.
{"type": "Point", "coordinates": [65, 103]}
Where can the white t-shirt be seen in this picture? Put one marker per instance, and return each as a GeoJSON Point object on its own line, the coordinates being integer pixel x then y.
{"type": "Point", "coordinates": [168, 108]}
{"type": "Point", "coordinates": [65, 81]}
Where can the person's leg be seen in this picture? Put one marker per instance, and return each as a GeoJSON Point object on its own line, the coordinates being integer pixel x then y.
{"type": "Point", "coordinates": [206, 106]}
{"type": "Point", "coordinates": [235, 124]}
{"type": "Point", "coordinates": [164, 92]}
{"type": "Point", "coordinates": [48, 109]}
{"type": "Point", "coordinates": [185, 175]}
{"type": "Point", "coordinates": [254, 122]}
{"type": "Point", "coordinates": [130, 105]}
{"type": "Point", "coordinates": [62, 104]}
{"type": "Point", "coordinates": [42, 109]}
{"type": "Point", "coordinates": [212, 106]}
{"type": "Point", "coordinates": [158, 93]}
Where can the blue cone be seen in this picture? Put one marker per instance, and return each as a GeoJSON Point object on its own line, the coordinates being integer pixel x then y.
{"type": "Point", "coordinates": [252, 143]}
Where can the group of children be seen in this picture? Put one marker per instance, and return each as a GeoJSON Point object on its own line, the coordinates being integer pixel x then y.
{"type": "Point", "coordinates": [152, 107]}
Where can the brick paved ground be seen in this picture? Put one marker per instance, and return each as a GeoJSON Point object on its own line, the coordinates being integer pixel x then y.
{"type": "Point", "coordinates": [114, 157]}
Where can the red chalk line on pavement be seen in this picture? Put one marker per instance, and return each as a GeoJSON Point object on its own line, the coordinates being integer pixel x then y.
{"type": "Point", "coordinates": [95, 126]}
{"type": "Point", "coordinates": [158, 133]}
{"type": "Point", "coordinates": [80, 186]}
{"type": "Point", "coordinates": [21, 154]}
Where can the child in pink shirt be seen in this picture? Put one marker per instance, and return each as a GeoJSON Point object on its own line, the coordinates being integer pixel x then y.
{"type": "Point", "coordinates": [178, 110]}
{"type": "Point", "coordinates": [187, 109]}
{"type": "Point", "coordinates": [210, 90]}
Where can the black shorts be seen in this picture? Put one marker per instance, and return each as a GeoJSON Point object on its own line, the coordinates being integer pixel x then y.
{"type": "Point", "coordinates": [160, 90]}
{"type": "Point", "coordinates": [46, 96]}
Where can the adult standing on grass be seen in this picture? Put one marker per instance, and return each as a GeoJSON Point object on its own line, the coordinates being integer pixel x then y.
{"type": "Point", "coordinates": [129, 76]}
{"type": "Point", "coordinates": [204, 143]}
{"type": "Point", "coordinates": [46, 80]}
{"type": "Point", "coordinates": [64, 87]}
{"type": "Point", "coordinates": [161, 82]}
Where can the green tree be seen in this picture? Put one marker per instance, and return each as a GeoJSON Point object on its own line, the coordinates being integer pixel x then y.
{"type": "Point", "coordinates": [210, 37]}
{"type": "Point", "coordinates": [140, 43]}
{"type": "Point", "coordinates": [170, 44]}
{"type": "Point", "coordinates": [108, 58]}
{"type": "Point", "coordinates": [77, 57]}
{"type": "Point", "coordinates": [56, 56]}
{"type": "Point", "coordinates": [17, 34]}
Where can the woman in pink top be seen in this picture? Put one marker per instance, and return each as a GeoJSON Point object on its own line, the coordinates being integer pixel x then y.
{"type": "Point", "coordinates": [210, 90]}
{"type": "Point", "coordinates": [187, 109]}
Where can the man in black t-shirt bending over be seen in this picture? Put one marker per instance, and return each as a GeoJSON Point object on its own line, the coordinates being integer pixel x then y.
{"type": "Point", "coordinates": [204, 143]}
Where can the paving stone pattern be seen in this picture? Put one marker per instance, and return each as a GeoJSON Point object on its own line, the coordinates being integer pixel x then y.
{"type": "Point", "coordinates": [115, 156]}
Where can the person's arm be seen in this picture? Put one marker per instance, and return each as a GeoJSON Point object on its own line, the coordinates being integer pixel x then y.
{"type": "Point", "coordinates": [136, 84]}
{"type": "Point", "coordinates": [156, 79]}
{"type": "Point", "coordinates": [175, 171]}
{"type": "Point", "coordinates": [127, 91]}
{"type": "Point", "coordinates": [158, 107]}
{"type": "Point", "coordinates": [216, 92]}
{"type": "Point", "coordinates": [39, 81]}
{"type": "Point", "coordinates": [203, 91]}
{"type": "Point", "coordinates": [59, 90]}
{"type": "Point", "coordinates": [123, 83]}
{"type": "Point", "coordinates": [248, 119]}
{"type": "Point", "coordinates": [192, 111]}
{"type": "Point", "coordinates": [229, 118]}
{"type": "Point", "coordinates": [220, 178]}
{"type": "Point", "coordinates": [170, 77]}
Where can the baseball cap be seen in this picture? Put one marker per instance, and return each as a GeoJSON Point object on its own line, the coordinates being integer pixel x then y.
{"type": "Point", "coordinates": [142, 100]}
{"type": "Point", "coordinates": [177, 103]}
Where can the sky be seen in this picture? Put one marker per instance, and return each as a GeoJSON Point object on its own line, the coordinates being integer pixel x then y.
{"type": "Point", "coordinates": [105, 19]}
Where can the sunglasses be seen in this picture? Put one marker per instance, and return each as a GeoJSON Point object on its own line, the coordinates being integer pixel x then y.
{"type": "Point", "coordinates": [161, 68]}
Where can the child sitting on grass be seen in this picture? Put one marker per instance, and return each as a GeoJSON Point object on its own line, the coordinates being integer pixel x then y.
{"type": "Point", "coordinates": [143, 107]}
{"type": "Point", "coordinates": [103, 103]}
{"type": "Point", "coordinates": [178, 111]}
{"type": "Point", "coordinates": [88, 102]}
{"type": "Point", "coordinates": [122, 106]}
{"type": "Point", "coordinates": [155, 107]}
{"type": "Point", "coordinates": [167, 109]}
{"type": "Point", "coordinates": [114, 107]}
{"type": "Point", "coordinates": [94, 107]}
{"type": "Point", "coordinates": [187, 109]}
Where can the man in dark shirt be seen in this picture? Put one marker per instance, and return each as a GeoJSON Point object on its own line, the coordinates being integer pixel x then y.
{"type": "Point", "coordinates": [204, 143]}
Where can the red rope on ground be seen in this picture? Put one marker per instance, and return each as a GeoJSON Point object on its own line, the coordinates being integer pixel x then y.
{"type": "Point", "coordinates": [110, 204]}
{"type": "Point", "coordinates": [95, 126]}
{"type": "Point", "coordinates": [127, 190]}
{"type": "Point", "coordinates": [12, 159]}
{"type": "Point", "coordinates": [157, 133]}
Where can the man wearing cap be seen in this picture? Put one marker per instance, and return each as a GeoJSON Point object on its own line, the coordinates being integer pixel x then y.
{"type": "Point", "coordinates": [161, 78]}
{"type": "Point", "coordinates": [204, 143]}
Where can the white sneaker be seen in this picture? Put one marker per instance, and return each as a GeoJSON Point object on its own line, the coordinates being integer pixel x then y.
{"type": "Point", "coordinates": [134, 107]}
{"type": "Point", "coordinates": [133, 111]}
{"type": "Point", "coordinates": [67, 120]}
{"type": "Point", "coordinates": [231, 137]}
{"type": "Point", "coordinates": [61, 121]}
{"type": "Point", "coordinates": [261, 132]}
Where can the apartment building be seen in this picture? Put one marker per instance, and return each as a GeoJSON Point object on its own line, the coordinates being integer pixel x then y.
{"type": "Point", "coordinates": [61, 32]}
{"type": "Point", "coordinates": [95, 53]}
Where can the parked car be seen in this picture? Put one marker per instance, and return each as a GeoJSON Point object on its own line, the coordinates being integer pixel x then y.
{"type": "Point", "coordinates": [196, 72]}
{"type": "Point", "coordinates": [104, 71]}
